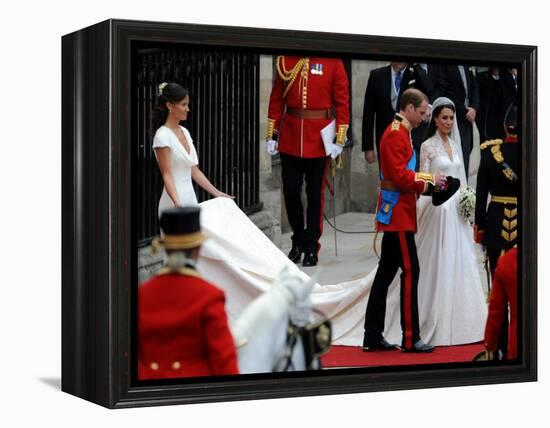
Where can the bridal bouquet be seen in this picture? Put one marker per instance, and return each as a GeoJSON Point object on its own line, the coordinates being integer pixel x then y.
{"type": "Point", "coordinates": [467, 203]}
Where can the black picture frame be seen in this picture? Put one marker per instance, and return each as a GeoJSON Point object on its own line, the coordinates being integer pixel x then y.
{"type": "Point", "coordinates": [98, 275]}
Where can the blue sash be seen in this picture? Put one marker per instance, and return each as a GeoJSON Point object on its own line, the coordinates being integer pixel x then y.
{"type": "Point", "coordinates": [389, 198]}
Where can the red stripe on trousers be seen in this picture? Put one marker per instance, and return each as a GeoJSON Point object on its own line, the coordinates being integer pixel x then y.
{"type": "Point", "coordinates": [321, 222]}
{"type": "Point", "coordinates": [407, 289]}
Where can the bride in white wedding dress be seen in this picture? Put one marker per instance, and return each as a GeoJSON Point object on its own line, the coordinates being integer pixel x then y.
{"type": "Point", "coordinates": [243, 262]}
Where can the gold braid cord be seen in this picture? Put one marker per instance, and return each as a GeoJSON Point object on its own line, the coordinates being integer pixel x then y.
{"type": "Point", "coordinates": [290, 76]}
{"type": "Point", "coordinates": [270, 129]}
{"type": "Point", "coordinates": [490, 143]}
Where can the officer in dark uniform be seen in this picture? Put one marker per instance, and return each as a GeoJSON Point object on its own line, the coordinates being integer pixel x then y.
{"type": "Point", "coordinates": [496, 226]}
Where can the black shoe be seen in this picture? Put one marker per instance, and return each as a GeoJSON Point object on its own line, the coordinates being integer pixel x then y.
{"type": "Point", "coordinates": [295, 254]}
{"type": "Point", "coordinates": [383, 345]}
{"type": "Point", "coordinates": [310, 259]}
{"type": "Point", "coordinates": [419, 347]}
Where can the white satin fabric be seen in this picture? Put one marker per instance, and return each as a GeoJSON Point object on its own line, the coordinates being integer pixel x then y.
{"type": "Point", "coordinates": [181, 163]}
{"type": "Point", "coordinates": [243, 262]}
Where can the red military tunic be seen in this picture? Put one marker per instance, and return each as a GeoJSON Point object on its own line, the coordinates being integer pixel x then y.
{"type": "Point", "coordinates": [312, 84]}
{"type": "Point", "coordinates": [182, 329]}
{"type": "Point", "coordinates": [396, 150]}
{"type": "Point", "coordinates": [504, 293]}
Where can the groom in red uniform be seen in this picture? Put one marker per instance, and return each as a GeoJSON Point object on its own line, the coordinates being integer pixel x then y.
{"type": "Point", "coordinates": [308, 93]}
{"type": "Point", "coordinates": [396, 217]}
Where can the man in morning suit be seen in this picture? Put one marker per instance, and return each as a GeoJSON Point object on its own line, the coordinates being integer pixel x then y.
{"type": "Point", "coordinates": [396, 217]}
{"type": "Point", "coordinates": [182, 324]}
{"type": "Point", "coordinates": [497, 90]}
{"type": "Point", "coordinates": [308, 93]}
{"type": "Point", "coordinates": [384, 87]}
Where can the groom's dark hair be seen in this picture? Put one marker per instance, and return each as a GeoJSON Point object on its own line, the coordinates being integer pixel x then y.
{"type": "Point", "coordinates": [412, 96]}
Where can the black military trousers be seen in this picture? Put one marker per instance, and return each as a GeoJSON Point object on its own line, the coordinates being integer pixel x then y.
{"type": "Point", "coordinates": [294, 170]}
{"type": "Point", "coordinates": [398, 251]}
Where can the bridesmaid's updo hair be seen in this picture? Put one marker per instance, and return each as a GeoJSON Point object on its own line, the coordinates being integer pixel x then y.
{"type": "Point", "coordinates": [436, 111]}
{"type": "Point", "coordinates": [166, 93]}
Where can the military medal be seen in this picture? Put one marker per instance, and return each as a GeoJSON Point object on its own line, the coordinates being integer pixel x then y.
{"type": "Point", "coordinates": [317, 69]}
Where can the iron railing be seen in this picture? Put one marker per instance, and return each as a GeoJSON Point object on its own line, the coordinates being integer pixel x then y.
{"type": "Point", "coordinates": [223, 121]}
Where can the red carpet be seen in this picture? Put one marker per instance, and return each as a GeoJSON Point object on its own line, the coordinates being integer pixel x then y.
{"type": "Point", "coordinates": [352, 356]}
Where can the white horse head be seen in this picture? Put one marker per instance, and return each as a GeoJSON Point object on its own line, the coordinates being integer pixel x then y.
{"type": "Point", "coordinates": [260, 332]}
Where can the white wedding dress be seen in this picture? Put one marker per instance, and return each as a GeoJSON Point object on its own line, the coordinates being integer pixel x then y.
{"type": "Point", "coordinates": [243, 262]}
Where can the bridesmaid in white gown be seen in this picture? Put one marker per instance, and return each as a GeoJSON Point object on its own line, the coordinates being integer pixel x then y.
{"type": "Point", "coordinates": [176, 155]}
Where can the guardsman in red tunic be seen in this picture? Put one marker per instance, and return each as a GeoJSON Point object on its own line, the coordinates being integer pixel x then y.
{"type": "Point", "coordinates": [503, 295]}
{"type": "Point", "coordinates": [396, 217]}
{"type": "Point", "coordinates": [182, 324]}
{"type": "Point", "coordinates": [308, 94]}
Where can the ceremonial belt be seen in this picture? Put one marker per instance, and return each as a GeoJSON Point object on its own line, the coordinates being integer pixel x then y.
{"type": "Point", "coordinates": [388, 185]}
{"type": "Point", "coordinates": [325, 113]}
{"type": "Point", "coordinates": [505, 199]}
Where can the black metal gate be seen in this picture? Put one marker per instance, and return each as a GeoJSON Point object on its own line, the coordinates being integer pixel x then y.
{"type": "Point", "coordinates": [223, 121]}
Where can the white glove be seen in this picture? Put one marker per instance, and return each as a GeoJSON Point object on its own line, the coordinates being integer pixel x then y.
{"type": "Point", "coordinates": [335, 150]}
{"type": "Point", "coordinates": [271, 147]}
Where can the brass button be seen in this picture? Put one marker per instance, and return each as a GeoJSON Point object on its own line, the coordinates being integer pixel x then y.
{"type": "Point", "coordinates": [176, 365]}
{"type": "Point", "coordinates": [154, 366]}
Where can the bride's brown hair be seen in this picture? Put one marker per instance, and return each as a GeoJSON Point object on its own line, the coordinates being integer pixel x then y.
{"type": "Point", "coordinates": [435, 113]}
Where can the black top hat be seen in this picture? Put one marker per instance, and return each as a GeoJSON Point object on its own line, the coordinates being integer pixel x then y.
{"type": "Point", "coordinates": [181, 228]}
{"type": "Point", "coordinates": [439, 196]}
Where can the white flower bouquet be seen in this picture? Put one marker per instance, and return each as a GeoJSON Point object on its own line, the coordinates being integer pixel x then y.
{"type": "Point", "coordinates": [467, 203]}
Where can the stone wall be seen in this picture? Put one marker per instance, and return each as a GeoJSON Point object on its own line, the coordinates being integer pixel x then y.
{"type": "Point", "coordinates": [270, 187]}
{"type": "Point", "coordinates": [363, 177]}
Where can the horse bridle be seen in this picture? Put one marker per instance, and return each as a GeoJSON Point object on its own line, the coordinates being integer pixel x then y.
{"type": "Point", "coordinates": [316, 339]}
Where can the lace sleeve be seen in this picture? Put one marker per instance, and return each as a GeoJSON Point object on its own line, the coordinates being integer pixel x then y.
{"type": "Point", "coordinates": [426, 154]}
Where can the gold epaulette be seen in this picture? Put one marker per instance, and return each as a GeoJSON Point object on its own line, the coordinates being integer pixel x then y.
{"type": "Point", "coordinates": [342, 134]}
{"type": "Point", "coordinates": [490, 143]}
{"type": "Point", "coordinates": [395, 125]}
